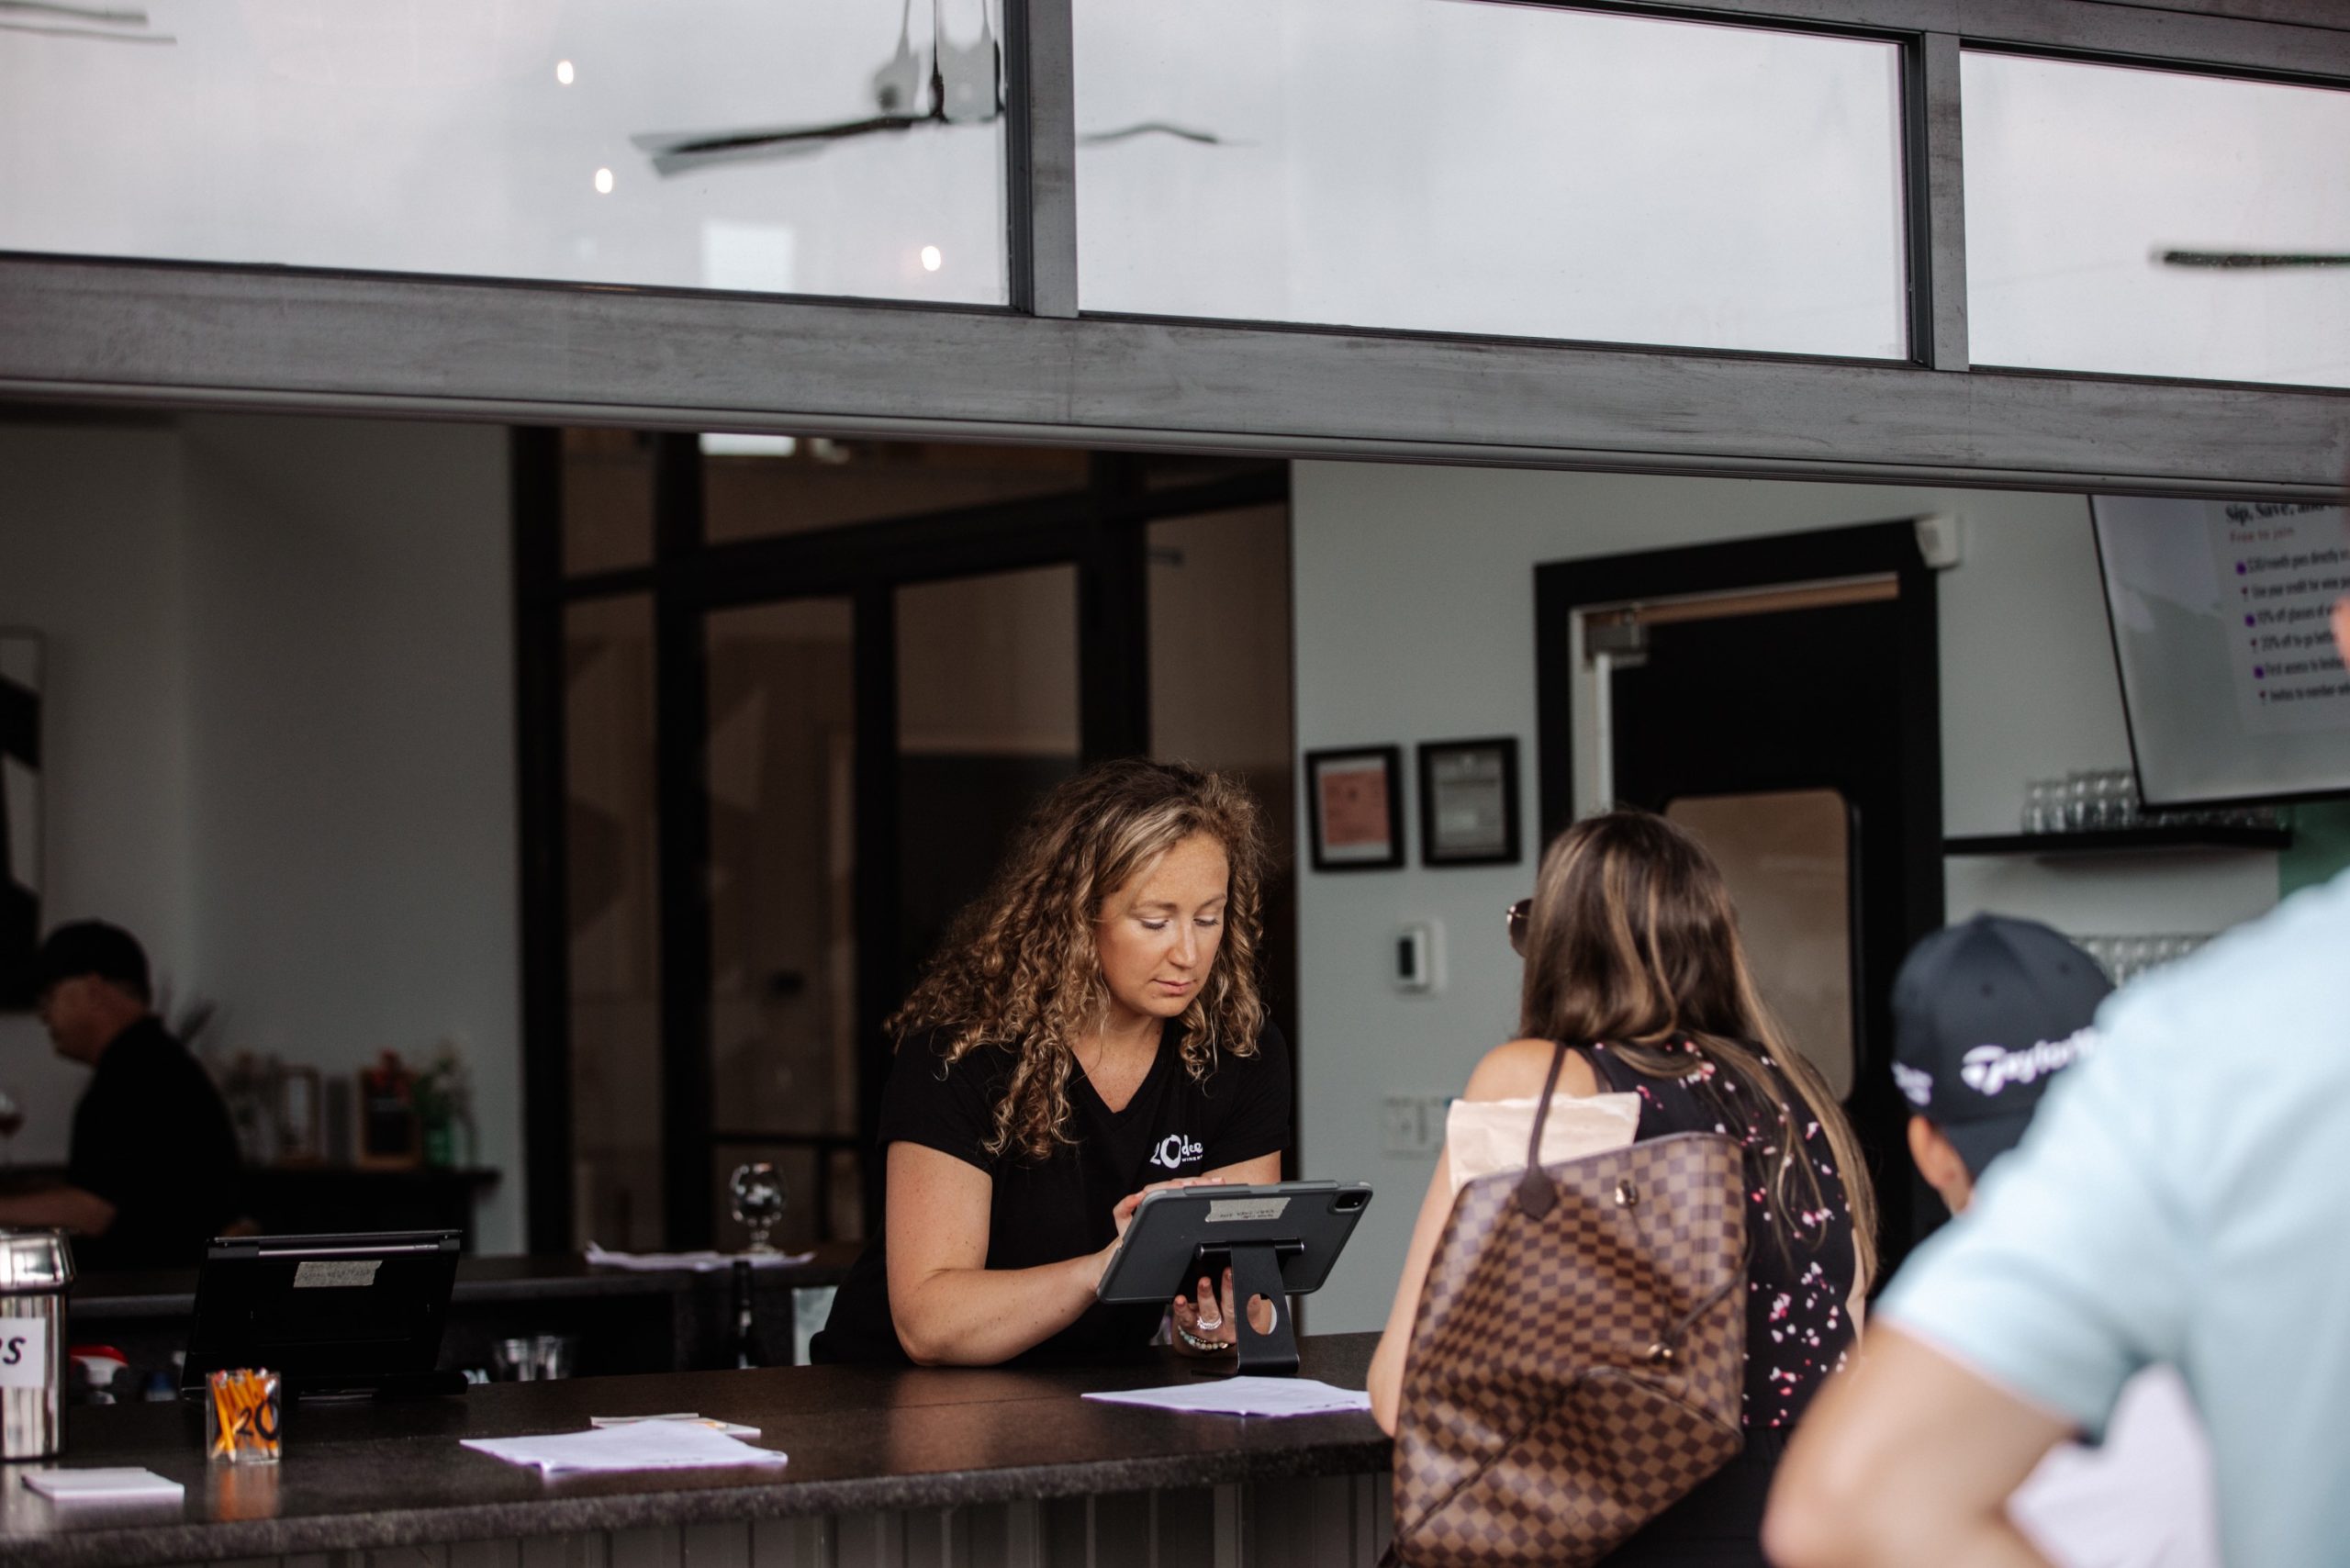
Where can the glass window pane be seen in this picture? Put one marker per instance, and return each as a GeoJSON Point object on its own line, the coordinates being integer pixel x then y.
{"type": "Point", "coordinates": [609, 838]}
{"type": "Point", "coordinates": [607, 500]}
{"type": "Point", "coordinates": [782, 771]}
{"type": "Point", "coordinates": [1787, 858]}
{"type": "Point", "coordinates": [2078, 177]}
{"type": "Point", "coordinates": [520, 139]}
{"type": "Point", "coordinates": [987, 722]}
{"type": "Point", "coordinates": [1490, 168]}
{"type": "Point", "coordinates": [792, 483]}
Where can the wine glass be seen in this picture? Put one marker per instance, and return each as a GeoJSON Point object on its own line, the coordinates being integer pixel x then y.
{"type": "Point", "coordinates": [12, 1122]}
{"type": "Point", "coordinates": [757, 1187]}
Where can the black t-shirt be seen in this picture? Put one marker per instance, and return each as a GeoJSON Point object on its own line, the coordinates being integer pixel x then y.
{"type": "Point", "coordinates": [152, 1137]}
{"type": "Point", "coordinates": [1050, 1209]}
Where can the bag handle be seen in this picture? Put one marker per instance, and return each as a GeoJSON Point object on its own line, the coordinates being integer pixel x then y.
{"type": "Point", "coordinates": [1535, 1194]}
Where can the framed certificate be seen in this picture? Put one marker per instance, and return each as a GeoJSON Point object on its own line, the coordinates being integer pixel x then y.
{"type": "Point", "coordinates": [1354, 803]}
{"type": "Point", "coordinates": [1469, 802]}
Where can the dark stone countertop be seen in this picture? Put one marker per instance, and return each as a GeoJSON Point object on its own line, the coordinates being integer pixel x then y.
{"type": "Point", "coordinates": [170, 1293]}
{"type": "Point", "coordinates": [371, 1477]}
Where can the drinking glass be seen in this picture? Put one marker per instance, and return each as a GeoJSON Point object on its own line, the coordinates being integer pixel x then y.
{"type": "Point", "coordinates": [2080, 801]}
{"type": "Point", "coordinates": [2039, 806]}
{"type": "Point", "coordinates": [757, 1187]}
{"type": "Point", "coordinates": [2122, 797]}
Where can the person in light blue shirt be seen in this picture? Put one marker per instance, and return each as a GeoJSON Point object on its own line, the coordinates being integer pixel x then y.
{"type": "Point", "coordinates": [2182, 1198]}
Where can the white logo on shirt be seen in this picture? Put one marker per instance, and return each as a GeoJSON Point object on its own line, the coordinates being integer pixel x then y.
{"type": "Point", "coordinates": [1175, 1150]}
{"type": "Point", "coordinates": [1986, 1069]}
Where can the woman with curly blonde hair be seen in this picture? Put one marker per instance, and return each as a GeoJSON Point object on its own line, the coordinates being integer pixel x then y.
{"type": "Point", "coordinates": [1092, 1029]}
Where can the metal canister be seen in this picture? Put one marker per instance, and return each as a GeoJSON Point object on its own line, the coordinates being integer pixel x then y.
{"type": "Point", "coordinates": [35, 1268]}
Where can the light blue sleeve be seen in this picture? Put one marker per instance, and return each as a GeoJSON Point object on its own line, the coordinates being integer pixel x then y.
{"type": "Point", "coordinates": [2060, 1281]}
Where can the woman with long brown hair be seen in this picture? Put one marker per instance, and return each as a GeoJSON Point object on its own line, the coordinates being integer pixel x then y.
{"type": "Point", "coordinates": [1634, 969]}
{"type": "Point", "coordinates": [1092, 1029]}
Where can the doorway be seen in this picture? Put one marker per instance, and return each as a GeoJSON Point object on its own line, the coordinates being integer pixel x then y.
{"type": "Point", "coordinates": [799, 696]}
{"type": "Point", "coordinates": [1779, 697]}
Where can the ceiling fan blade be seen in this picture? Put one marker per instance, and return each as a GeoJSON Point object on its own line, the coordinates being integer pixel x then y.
{"type": "Point", "coordinates": [677, 151]}
{"type": "Point", "coordinates": [1151, 128]}
{"type": "Point", "coordinates": [76, 13]}
{"type": "Point", "coordinates": [47, 31]}
{"type": "Point", "coordinates": [2233, 260]}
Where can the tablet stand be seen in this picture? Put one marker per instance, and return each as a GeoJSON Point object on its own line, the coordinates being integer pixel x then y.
{"type": "Point", "coordinates": [1257, 1271]}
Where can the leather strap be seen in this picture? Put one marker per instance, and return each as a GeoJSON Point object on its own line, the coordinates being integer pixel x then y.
{"type": "Point", "coordinates": [1534, 1193]}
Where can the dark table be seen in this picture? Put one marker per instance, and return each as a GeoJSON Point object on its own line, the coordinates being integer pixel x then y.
{"type": "Point", "coordinates": [887, 1465]}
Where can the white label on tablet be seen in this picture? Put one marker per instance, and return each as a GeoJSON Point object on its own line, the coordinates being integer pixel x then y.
{"type": "Point", "coordinates": [24, 1352]}
{"type": "Point", "coordinates": [1222, 1209]}
{"type": "Point", "coordinates": [335, 1273]}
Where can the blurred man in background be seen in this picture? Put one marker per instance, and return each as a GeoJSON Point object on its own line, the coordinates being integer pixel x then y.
{"type": "Point", "coordinates": [153, 1170]}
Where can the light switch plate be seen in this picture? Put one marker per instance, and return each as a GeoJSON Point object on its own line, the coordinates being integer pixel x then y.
{"type": "Point", "coordinates": [1400, 1129]}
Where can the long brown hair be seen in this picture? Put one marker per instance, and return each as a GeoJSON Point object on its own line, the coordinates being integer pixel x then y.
{"type": "Point", "coordinates": [1633, 941]}
{"type": "Point", "coordinates": [1020, 970]}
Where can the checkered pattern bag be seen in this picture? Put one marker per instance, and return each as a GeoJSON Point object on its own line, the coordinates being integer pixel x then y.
{"type": "Point", "coordinates": [1579, 1356]}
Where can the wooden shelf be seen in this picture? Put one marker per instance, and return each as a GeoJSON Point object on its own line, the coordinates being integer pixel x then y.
{"type": "Point", "coordinates": [2121, 841]}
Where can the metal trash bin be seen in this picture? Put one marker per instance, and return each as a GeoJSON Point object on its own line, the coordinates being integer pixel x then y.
{"type": "Point", "coordinates": [35, 1268]}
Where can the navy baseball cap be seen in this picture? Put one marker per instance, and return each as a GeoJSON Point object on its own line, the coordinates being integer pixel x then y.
{"type": "Point", "coordinates": [1984, 1014]}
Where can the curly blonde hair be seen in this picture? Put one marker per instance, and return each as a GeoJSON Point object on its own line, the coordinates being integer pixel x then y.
{"type": "Point", "coordinates": [1020, 970]}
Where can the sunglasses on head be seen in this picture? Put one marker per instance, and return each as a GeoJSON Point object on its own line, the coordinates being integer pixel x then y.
{"type": "Point", "coordinates": [1519, 914]}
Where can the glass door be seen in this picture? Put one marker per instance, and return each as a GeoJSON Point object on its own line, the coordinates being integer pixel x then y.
{"type": "Point", "coordinates": [781, 768]}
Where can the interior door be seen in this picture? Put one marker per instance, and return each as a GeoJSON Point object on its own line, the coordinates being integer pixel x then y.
{"type": "Point", "coordinates": [1773, 735]}
{"type": "Point", "coordinates": [1780, 697]}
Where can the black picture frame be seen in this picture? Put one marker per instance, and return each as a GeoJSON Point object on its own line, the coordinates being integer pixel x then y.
{"type": "Point", "coordinates": [1450, 769]}
{"type": "Point", "coordinates": [1357, 853]}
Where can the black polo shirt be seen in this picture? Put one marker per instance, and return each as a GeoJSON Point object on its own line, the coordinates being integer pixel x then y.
{"type": "Point", "coordinates": [1051, 1210]}
{"type": "Point", "coordinates": [152, 1137]}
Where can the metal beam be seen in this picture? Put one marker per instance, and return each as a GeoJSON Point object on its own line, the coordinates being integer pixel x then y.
{"type": "Point", "coordinates": [1041, 142]}
{"type": "Point", "coordinates": [433, 348]}
{"type": "Point", "coordinates": [2306, 40]}
{"type": "Point", "coordinates": [1937, 196]}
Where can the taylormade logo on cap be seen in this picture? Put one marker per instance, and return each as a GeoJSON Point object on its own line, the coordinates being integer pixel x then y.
{"type": "Point", "coordinates": [1986, 1069]}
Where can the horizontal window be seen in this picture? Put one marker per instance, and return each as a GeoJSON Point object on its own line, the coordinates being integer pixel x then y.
{"type": "Point", "coordinates": [2154, 223]}
{"type": "Point", "coordinates": [1513, 170]}
{"type": "Point", "coordinates": [736, 144]}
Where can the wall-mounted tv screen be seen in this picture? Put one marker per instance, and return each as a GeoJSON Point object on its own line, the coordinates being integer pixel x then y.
{"type": "Point", "coordinates": [2222, 615]}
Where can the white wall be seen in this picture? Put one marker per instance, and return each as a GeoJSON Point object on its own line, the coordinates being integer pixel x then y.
{"type": "Point", "coordinates": [280, 736]}
{"type": "Point", "coordinates": [1415, 621]}
{"type": "Point", "coordinates": [90, 558]}
{"type": "Point", "coordinates": [353, 861]}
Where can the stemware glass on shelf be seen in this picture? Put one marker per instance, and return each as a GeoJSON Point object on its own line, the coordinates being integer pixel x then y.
{"type": "Point", "coordinates": [756, 1188]}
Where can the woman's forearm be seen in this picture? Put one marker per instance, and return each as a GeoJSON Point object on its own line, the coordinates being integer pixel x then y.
{"type": "Point", "coordinates": [973, 1318]}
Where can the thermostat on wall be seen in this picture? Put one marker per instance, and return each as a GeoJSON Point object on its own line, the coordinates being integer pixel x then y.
{"type": "Point", "coordinates": [1417, 957]}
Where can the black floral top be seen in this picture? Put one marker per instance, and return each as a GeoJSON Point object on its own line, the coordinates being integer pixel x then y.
{"type": "Point", "coordinates": [1798, 1312]}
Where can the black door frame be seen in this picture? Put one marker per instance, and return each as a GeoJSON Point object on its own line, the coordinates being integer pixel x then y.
{"type": "Point", "coordinates": [1562, 588]}
{"type": "Point", "coordinates": [1100, 528]}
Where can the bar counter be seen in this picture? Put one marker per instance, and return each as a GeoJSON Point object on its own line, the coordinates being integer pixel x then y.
{"type": "Point", "coordinates": [888, 1466]}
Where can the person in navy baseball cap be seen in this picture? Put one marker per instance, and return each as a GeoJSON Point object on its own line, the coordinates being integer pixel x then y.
{"type": "Point", "coordinates": [1986, 1013]}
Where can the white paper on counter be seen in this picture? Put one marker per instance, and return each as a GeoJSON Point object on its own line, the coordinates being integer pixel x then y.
{"type": "Point", "coordinates": [1246, 1396]}
{"type": "Point", "coordinates": [639, 1445]}
{"type": "Point", "coordinates": [731, 1428]}
{"type": "Point", "coordinates": [698, 1262]}
{"type": "Point", "coordinates": [105, 1486]}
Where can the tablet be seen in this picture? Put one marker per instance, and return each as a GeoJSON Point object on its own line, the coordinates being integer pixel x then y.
{"type": "Point", "coordinates": [1178, 1234]}
{"type": "Point", "coordinates": [332, 1314]}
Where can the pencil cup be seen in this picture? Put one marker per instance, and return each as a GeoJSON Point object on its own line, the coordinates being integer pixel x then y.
{"type": "Point", "coordinates": [241, 1417]}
